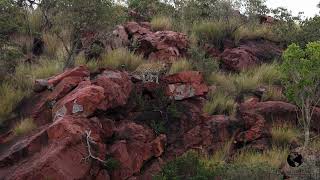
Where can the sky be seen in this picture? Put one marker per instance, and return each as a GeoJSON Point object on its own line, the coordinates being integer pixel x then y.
{"type": "Point", "coordinates": [309, 7]}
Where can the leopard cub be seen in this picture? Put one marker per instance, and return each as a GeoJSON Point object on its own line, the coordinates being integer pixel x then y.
{"type": "Point", "coordinates": [151, 72]}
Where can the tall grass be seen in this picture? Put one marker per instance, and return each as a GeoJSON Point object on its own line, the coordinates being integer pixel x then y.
{"type": "Point", "coordinates": [231, 85]}
{"type": "Point", "coordinates": [194, 166]}
{"type": "Point", "coordinates": [52, 44]}
{"type": "Point", "coordinates": [119, 58]}
{"type": "Point", "coordinates": [220, 103]}
{"type": "Point", "coordinates": [20, 84]}
{"type": "Point", "coordinates": [161, 23]}
{"type": "Point", "coordinates": [215, 31]}
{"type": "Point", "coordinates": [180, 65]}
{"type": "Point", "coordinates": [92, 65]}
{"type": "Point", "coordinates": [283, 134]}
{"type": "Point", "coordinates": [254, 31]}
{"type": "Point", "coordinates": [35, 21]}
{"type": "Point", "coordinates": [24, 127]}
{"type": "Point", "coordinates": [273, 157]}
{"type": "Point", "coordinates": [10, 96]}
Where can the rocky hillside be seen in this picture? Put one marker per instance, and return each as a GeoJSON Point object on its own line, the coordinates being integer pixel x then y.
{"type": "Point", "coordinates": [105, 123]}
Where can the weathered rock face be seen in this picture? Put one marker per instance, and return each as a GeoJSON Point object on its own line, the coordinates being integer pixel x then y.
{"type": "Point", "coordinates": [83, 101]}
{"type": "Point", "coordinates": [135, 145]}
{"type": "Point", "coordinates": [117, 88]}
{"type": "Point", "coordinates": [161, 45]}
{"type": "Point", "coordinates": [185, 85]}
{"type": "Point", "coordinates": [238, 59]}
{"type": "Point", "coordinates": [249, 54]}
{"type": "Point", "coordinates": [58, 151]}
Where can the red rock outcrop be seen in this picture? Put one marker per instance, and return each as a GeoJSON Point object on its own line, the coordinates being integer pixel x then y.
{"type": "Point", "coordinates": [250, 53]}
{"type": "Point", "coordinates": [186, 84]}
{"type": "Point", "coordinates": [161, 45]}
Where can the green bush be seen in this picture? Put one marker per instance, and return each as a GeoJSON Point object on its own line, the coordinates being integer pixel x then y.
{"type": "Point", "coordinates": [203, 62]}
{"type": "Point", "coordinates": [161, 23]}
{"type": "Point", "coordinates": [119, 58]}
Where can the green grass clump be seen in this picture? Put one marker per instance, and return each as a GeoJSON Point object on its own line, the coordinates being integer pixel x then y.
{"type": "Point", "coordinates": [273, 94]}
{"type": "Point", "coordinates": [180, 65]}
{"type": "Point", "coordinates": [220, 103]}
{"type": "Point", "coordinates": [254, 31]}
{"type": "Point", "coordinates": [273, 157]}
{"type": "Point", "coordinates": [92, 65]}
{"type": "Point", "coordinates": [52, 44]}
{"type": "Point", "coordinates": [10, 96]}
{"type": "Point", "coordinates": [161, 23]}
{"type": "Point", "coordinates": [121, 57]}
{"type": "Point", "coordinates": [194, 166]}
{"type": "Point", "coordinates": [24, 127]}
{"type": "Point", "coordinates": [20, 84]}
{"type": "Point", "coordinates": [214, 32]}
{"type": "Point", "coordinates": [283, 134]}
{"type": "Point", "coordinates": [267, 74]}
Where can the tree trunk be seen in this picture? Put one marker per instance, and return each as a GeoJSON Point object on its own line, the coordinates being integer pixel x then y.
{"type": "Point", "coordinates": [70, 61]}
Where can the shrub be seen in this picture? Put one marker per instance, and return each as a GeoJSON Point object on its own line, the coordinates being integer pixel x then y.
{"type": "Point", "coordinates": [161, 23]}
{"type": "Point", "coordinates": [121, 57]}
{"type": "Point", "coordinates": [203, 62]}
{"type": "Point", "coordinates": [180, 65]}
{"type": "Point", "coordinates": [283, 134]}
{"type": "Point", "coordinates": [220, 103]}
{"type": "Point", "coordinates": [10, 97]}
{"type": "Point", "coordinates": [24, 127]}
{"type": "Point", "coordinates": [158, 126]}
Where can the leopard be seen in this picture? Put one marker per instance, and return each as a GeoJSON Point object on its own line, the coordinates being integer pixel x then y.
{"type": "Point", "coordinates": [151, 72]}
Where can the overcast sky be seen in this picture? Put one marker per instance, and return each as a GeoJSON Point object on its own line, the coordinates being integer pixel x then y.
{"type": "Point", "coordinates": [309, 7]}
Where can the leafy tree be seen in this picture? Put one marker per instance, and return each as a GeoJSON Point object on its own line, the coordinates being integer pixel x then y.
{"type": "Point", "coordinates": [77, 17]}
{"type": "Point", "coordinates": [310, 30]}
{"type": "Point", "coordinates": [301, 69]}
{"type": "Point", "coordinates": [286, 28]}
{"type": "Point", "coordinates": [255, 7]}
{"type": "Point", "coordinates": [10, 20]}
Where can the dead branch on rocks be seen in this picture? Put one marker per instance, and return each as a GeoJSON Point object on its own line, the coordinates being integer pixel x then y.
{"type": "Point", "coordinates": [90, 141]}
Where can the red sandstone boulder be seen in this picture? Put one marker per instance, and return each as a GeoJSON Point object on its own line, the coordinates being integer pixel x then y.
{"type": "Point", "coordinates": [77, 73]}
{"type": "Point", "coordinates": [186, 85]}
{"type": "Point", "coordinates": [238, 59]}
{"type": "Point", "coordinates": [80, 71]}
{"type": "Point", "coordinates": [117, 88]}
{"type": "Point", "coordinates": [249, 54]}
{"type": "Point", "coordinates": [137, 145]}
{"type": "Point", "coordinates": [161, 45]}
{"type": "Point", "coordinates": [83, 101]}
{"type": "Point", "coordinates": [55, 151]}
